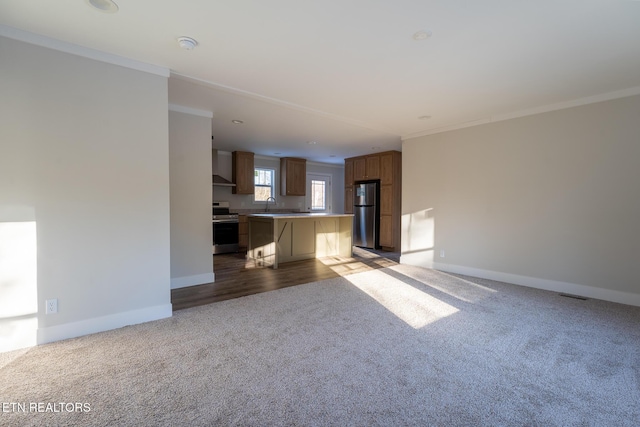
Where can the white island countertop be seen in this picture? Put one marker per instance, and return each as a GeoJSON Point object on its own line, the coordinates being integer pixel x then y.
{"type": "Point", "coordinates": [285, 215]}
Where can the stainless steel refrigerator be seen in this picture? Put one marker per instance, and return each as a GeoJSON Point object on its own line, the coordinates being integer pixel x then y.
{"type": "Point", "coordinates": [365, 215]}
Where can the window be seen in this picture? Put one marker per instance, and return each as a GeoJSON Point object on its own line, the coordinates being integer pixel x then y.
{"type": "Point", "coordinates": [318, 195]}
{"type": "Point", "coordinates": [264, 184]}
{"type": "Point", "coordinates": [318, 192]}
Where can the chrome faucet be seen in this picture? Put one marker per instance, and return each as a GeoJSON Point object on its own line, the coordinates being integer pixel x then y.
{"type": "Point", "coordinates": [266, 208]}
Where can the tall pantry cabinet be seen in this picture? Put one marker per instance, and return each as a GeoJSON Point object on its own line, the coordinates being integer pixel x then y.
{"type": "Point", "coordinates": [386, 167]}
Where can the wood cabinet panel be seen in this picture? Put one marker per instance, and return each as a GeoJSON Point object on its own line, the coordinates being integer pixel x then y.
{"type": "Point", "coordinates": [372, 167]}
{"type": "Point", "coordinates": [298, 178]}
{"type": "Point", "coordinates": [242, 172]}
{"type": "Point", "coordinates": [348, 172]}
{"type": "Point", "coordinates": [359, 168]}
{"type": "Point", "coordinates": [293, 176]}
{"type": "Point", "coordinates": [386, 169]}
{"type": "Point", "coordinates": [386, 231]}
{"type": "Point", "coordinates": [386, 200]}
{"type": "Point", "coordinates": [364, 168]}
{"type": "Point", "coordinates": [348, 199]}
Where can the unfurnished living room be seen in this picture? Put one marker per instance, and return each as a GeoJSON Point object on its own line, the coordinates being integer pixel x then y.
{"type": "Point", "coordinates": [498, 283]}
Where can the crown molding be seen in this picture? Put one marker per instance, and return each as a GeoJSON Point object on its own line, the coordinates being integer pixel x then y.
{"type": "Point", "coordinates": [624, 93]}
{"type": "Point", "coordinates": [74, 49]}
{"type": "Point", "coordinates": [192, 111]}
{"type": "Point", "coordinates": [569, 104]}
{"type": "Point", "coordinates": [281, 103]}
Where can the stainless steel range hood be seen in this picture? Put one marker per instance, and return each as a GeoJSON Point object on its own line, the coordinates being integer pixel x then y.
{"type": "Point", "coordinates": [222, 182]}
{"type": "Point", "coordinates": [217, 179]}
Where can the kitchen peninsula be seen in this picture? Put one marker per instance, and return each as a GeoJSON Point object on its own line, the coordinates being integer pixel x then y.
{"type": "Point", "coordinates": [276, 238]}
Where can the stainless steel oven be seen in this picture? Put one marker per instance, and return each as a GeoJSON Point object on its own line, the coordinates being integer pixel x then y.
{"type": "Point", "coordinates": [225, 229]}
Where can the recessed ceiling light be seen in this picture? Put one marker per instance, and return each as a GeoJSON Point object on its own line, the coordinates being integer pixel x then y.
{"type": "Point", "coordinates": [421, 35]}
{"type": "Point", "coordinates": [424, 117]}
{"type": "Point", "coordinates": [187, 43]}
{"type": "Point", "coordinates": [311, 142]}
{"type": "Point", "coordinates": [108, 6]}
{"type": "Point", "coordinates": [237, 122]}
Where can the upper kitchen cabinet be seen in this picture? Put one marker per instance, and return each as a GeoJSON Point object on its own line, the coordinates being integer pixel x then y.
{"type": "Point", "coordinates": [293, 176]}
{"type": "Point", "coordinates": [243, 172]}
{"type": "Point", "coordinates": [348, 172]}
{"type": "Point", "coordinates": [372, 169]}
{"type": "Point", "coordinates": [359, 168]}
{"type": "Point", "coordinates": [385, 166]}
{"type": "Point", "coordinates": [366, 167]}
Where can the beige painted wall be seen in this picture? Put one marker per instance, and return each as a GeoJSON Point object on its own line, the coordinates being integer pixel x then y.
{"type": "Point", "coordinates": [84, 156]}
{"type": "Point", "coordinates": [190, 176]}
{"type": "Point", "coordinates": [550, 200]}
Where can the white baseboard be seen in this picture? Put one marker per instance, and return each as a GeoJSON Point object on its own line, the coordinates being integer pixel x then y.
{"type": "Point", "coordinates": [103, 323]}
{"type": "Point", "coordinates": [417, 258]}
{"type": "Point", "coordinates": [198, 279]}
{"type": "Point", "coordinates": [534, 282]}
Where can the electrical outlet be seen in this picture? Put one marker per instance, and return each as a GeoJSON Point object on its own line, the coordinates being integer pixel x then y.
{"type": "Point", "coordinates": [441, 253]}
{"type": "Point", "coordinates": [51, 306]}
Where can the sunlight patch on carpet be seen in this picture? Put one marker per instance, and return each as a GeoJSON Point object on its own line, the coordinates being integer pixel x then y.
{"type": "Point", "coordinates": [414, 307]}
{"type": "Point", "coordinates": [454, 286]}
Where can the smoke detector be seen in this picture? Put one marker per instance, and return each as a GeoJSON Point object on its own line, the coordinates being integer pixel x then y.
{"type": "Point", "coordinates": [422, 35]}
{"type": "Point", "coordinates": [108, 6]}
{"type": "Point", "coordinates": [187, 43]}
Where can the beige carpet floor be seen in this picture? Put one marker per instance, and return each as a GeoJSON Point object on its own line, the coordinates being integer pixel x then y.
{"type": "Point", "coordinates": [395, 346]}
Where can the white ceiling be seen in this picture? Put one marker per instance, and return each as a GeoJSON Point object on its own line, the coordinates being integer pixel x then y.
{"type": "Point", "coordinates": [348, 74]}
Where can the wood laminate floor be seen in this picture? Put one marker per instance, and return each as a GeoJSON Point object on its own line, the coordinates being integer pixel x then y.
{"type": "Point", "coordinates": [236, 276]}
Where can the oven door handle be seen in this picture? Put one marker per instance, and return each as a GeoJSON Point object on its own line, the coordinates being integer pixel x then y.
{"type": "Point", "coordinates": [225, 221]}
